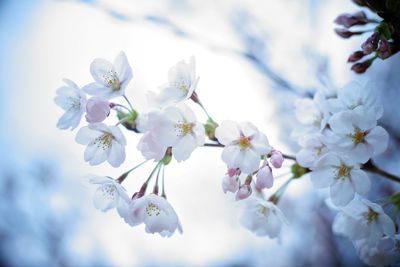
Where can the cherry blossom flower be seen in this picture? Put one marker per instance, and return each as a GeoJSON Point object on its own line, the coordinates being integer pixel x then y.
{"type": "Point", "coordinates": [342, 175]}
{"type": "Point", "coordinates": [244, 145]}
{"type": "Point", "coordinates": [353, 95]}
{"type": "Point", "coordinates": [313, 148]}
{"type": "Point", "coordinates": [262, 217]}
{"type": "Point", "coordinates": [157, 215]}
{"type": "Point", "coordinates": [97, 110]}
{"type": "Point", "coordinates": [150, 148]}
{"type": "Point", "coordinates": [110, 79]}
{"type": "Point", "coordinates": [182, 82]}
{"type": "Point", "coordinates": [103, 143]}
{"type": "Point", "coordinates": [385, 253]}
{"type": "Point", "coordinates": [363, 220]}
{"type": "Point", "coordinates": [265, 178]}
{"type": "Point", "coordinates": [109, 194]}
{"type": "Point", "coordinates": [177, 127]}
{"type": "Point", "coordinates": [357, 134]}
{"type": "Point", "coordinates": [71, 99]}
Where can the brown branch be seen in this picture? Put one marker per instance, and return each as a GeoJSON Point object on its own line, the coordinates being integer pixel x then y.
{"type": "Point", "coordinates": [370, 167]}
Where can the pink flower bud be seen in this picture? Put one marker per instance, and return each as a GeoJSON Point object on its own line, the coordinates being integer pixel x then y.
{"type": "Point", "coordinates": [361, 67]}
{"type": "Point", "coordinates": [264, 178]}
{"type": "Point", "coordinates": [97, 109]}
{"type": "Point", "coordinates": [370, 44]}
{"type": "Point", "coordinates": [348, 20]}
{"type": "Point", "coordinates": [384, 49]}
{"type": "Point", "coordinates": [346, 33]}
{"type": "Point", "coordinates": [244, 192]}
{"type": "Point", "coordinates": [230, 183]}
{"type": "Point", "coordinates": [232, 171]}
{"type": "Point", "coordinates": [276, 159]}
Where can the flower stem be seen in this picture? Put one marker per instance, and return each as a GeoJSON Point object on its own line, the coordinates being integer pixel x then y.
{"type": "Point", "coordinates": [121, 106]}
{"type": "Point", "coordinates": [370, 167]}
{"type": "Point", "coordinates": [155, 189]}
{"type": "Point", "coordinates": [125, 174]}
{"type": "Point", "coordinates": [163, 178]}
{"type": "Point", "coordinates": [129, 103]}
{"type": "Point", "coordinates": [278, 194]}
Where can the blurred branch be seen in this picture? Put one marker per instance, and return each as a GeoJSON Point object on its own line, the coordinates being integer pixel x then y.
{"type": "Point", "coordinates": [370, 167]}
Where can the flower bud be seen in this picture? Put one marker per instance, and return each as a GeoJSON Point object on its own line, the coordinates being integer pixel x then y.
{"type": "Point", "coordinates": [209, 128]}
{"type": "Point", "coordinates": [356, 56]}
{"type": "Point", "coordinates": [348, 20]}
{"type": "Point", "coordinates": [244, 192]}
{"type": "Point", "coordinates": [97, 109]}
{"type": "Point", "coordinates": [370, 44]}
{"type": "Point", "coordinates": [384, 50]}
{"type": "Point", "coordinates": [276, 159]}
{"type": "Point", "coordinates": [361, 67]}
{"type": "Point", "coordinates": [230, 183]}
{"type": "Point", "coordinates": [232, 171]}
{"type": "Point", "coordinates": [264, 178]}
{"type": "Point", "coordinates": [346, 33]}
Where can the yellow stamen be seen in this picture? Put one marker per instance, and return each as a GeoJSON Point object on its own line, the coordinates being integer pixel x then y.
{"type": "Point", "coordinates": [358, 136]}
{"type": "Point", "coordinates": [244, 142]}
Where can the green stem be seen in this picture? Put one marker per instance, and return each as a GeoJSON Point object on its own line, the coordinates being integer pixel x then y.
{"type": "Point", "coordinates": [129, 103]}
{"type": "Point", "coordinates": [125, 174]}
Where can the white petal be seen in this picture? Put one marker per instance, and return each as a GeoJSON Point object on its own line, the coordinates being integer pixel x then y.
{"type": "Point", "coordinates": [260, 144]}
{"type": "Point", "coordinates": [184, 148]}
{"type": "Point", "coordinates": [387, 225]}
{"type": "Point", "coordinates": [248, 129]}
{"type": "Point", "coordinates": [86, 135]}
{"type": "Point", "coordinates": [378, 139]}
{"type": "Point", "coordinates": [117, 154]}
{"type": "Point", "coordinates": [98, 68]}
{"type": "Point", "coordinates": [232, 156]}
{"type": "Point", "coordinates": [250, 162]}
{"type": "Point", "coordinates": [118, 135]}
{"type": "Point", "coordinates": [361, 181]}
{"type": "Point", "coordinates": [322, 177]}
{"type": "Point", "coordinates": [227, 132]}
{"type": "Point", "coordinates": [123, 69]}
{"type": "Point", "coordinates": [342, 192]}
{"type": "Point", "coordinates": [105, 199]}
{"type": "Point", "coordinates": [341, 123]}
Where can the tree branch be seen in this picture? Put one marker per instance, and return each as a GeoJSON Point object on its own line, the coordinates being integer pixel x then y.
{"type": "Point", "coordinates": [370, 167]}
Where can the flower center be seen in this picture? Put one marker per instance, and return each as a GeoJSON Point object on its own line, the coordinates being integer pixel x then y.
{"type": "Point", "coordinates": [244, 142]}
{"type": "Point", "coordinates": [152, 209]}
{"type": "Point", "coordinates": [263, 211]}
{"type": "Point", "coordinates": [74, 102]}
{"type": "Point", "coordinates": [357, 136]}
{"type": "Point", "coordinates": [104, 141]}
{"type": "Point", "coordinates": [111, 79]}
{"type": "Point", "coordinates": [318, 150]}
{"type": "Point", "coordinates": [371, 215]}
{"type": "Point", "coordinates": [109, 191]}
{"type": "Point", "coordinates": [184, 128]}
{"type": "Point", "coordinates": [343, 171]}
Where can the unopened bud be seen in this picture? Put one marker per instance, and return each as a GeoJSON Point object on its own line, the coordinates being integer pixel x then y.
{"type": "Point", "coordinates": [230, 183]}
{"type": "Point", "coordinates": [356, 56]}
{"type": "Point", "coordinates": [361, 67]}
{"type": "Point", "coordinates": [264, 178]}
{"type": "Point", "coordinates": [276, 159]}
{"type": "Point", "coordinates": [370, 44]}
{"type": "Point", "coordinates": [346, 33]}
{"type": "Point", "coordinates": [384, 50]}
{"type": "Point", "coordinates": [349, 20]}
{"type": "Point", "coordinates": [97, 110]}
{"type": "Point", "coordinates": [128, 120]}
{"type": "Point", "coordinates": [209, 128]}
{"type": "Point", "coordinates": [243, 192]}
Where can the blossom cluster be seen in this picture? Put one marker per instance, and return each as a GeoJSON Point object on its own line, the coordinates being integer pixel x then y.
{"type": "Point", "coordinates": [169, 130]}
{"type": "Point", "coordinates": [337, 138]}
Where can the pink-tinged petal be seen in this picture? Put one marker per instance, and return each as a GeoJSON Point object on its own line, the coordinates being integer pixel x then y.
{"type": "Point", "coordinates": [361, 181]}
{"type": "Point", "coordinates": [182, 150]}
{"type": "Point", "coordinates": [378, 138]}
{"type": "Point", "coordinates": [123, 69]}
{"type": "Point", "coordinates": [276, 159]}
{"type": "Point", "coordinates": [230, 183]}
{"type": "Point", "coordinates": [227, 132]}
{"type": "Point", "coordinates": [342, 192]}
{"type": "Point", "coordinates": [265, 178]}
{"type": "Point", "coordinates": [86, 135]}
{"type": "Point", "coordinates": [117, 154]}
{"type": "Point", "coordinates": [387, 225]}
{"type": "Point", "coordinates": [100, 67]}
{"type": "Point", "coordinates": [322, 178]}
{"type": "Point", "coordinates": [341, 123]}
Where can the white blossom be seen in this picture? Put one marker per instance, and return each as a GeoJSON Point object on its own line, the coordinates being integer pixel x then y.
{"type": "Point", "coordinates": [157, 215]}
{"type": "Point", "coordinates": [362, 219]}
{"type": "Point", "coordinates": [357, 134]}
{"type": "Point", "coordinates": [109, 194]}
{"type": "Point", "coordinates": [182, 82]}
{"type": "Point", "coordinates": [313, 148]}
{"type": "Point", "coordinates": [385, 253]}
{"type": "Point", "coordinates": [244, 145]}
{"type": "Point", "coordinates": [262, 217]}
{"type": "Point", "coordinates": [110, 79]}
{"type": "Point", "coordinates": [103, 143]}
{"type": "Point", "coordinates": [177, 127]}
{"type": "Point", "coordinates": [353, 95]}
{"type": "Point", "coordinates": [342, 175]}
{"type": "Point", "coordinates": [73, 100]}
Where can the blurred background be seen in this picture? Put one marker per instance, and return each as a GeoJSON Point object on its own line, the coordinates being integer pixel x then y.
{"type": "Point", "coordinates": [254, 58]}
